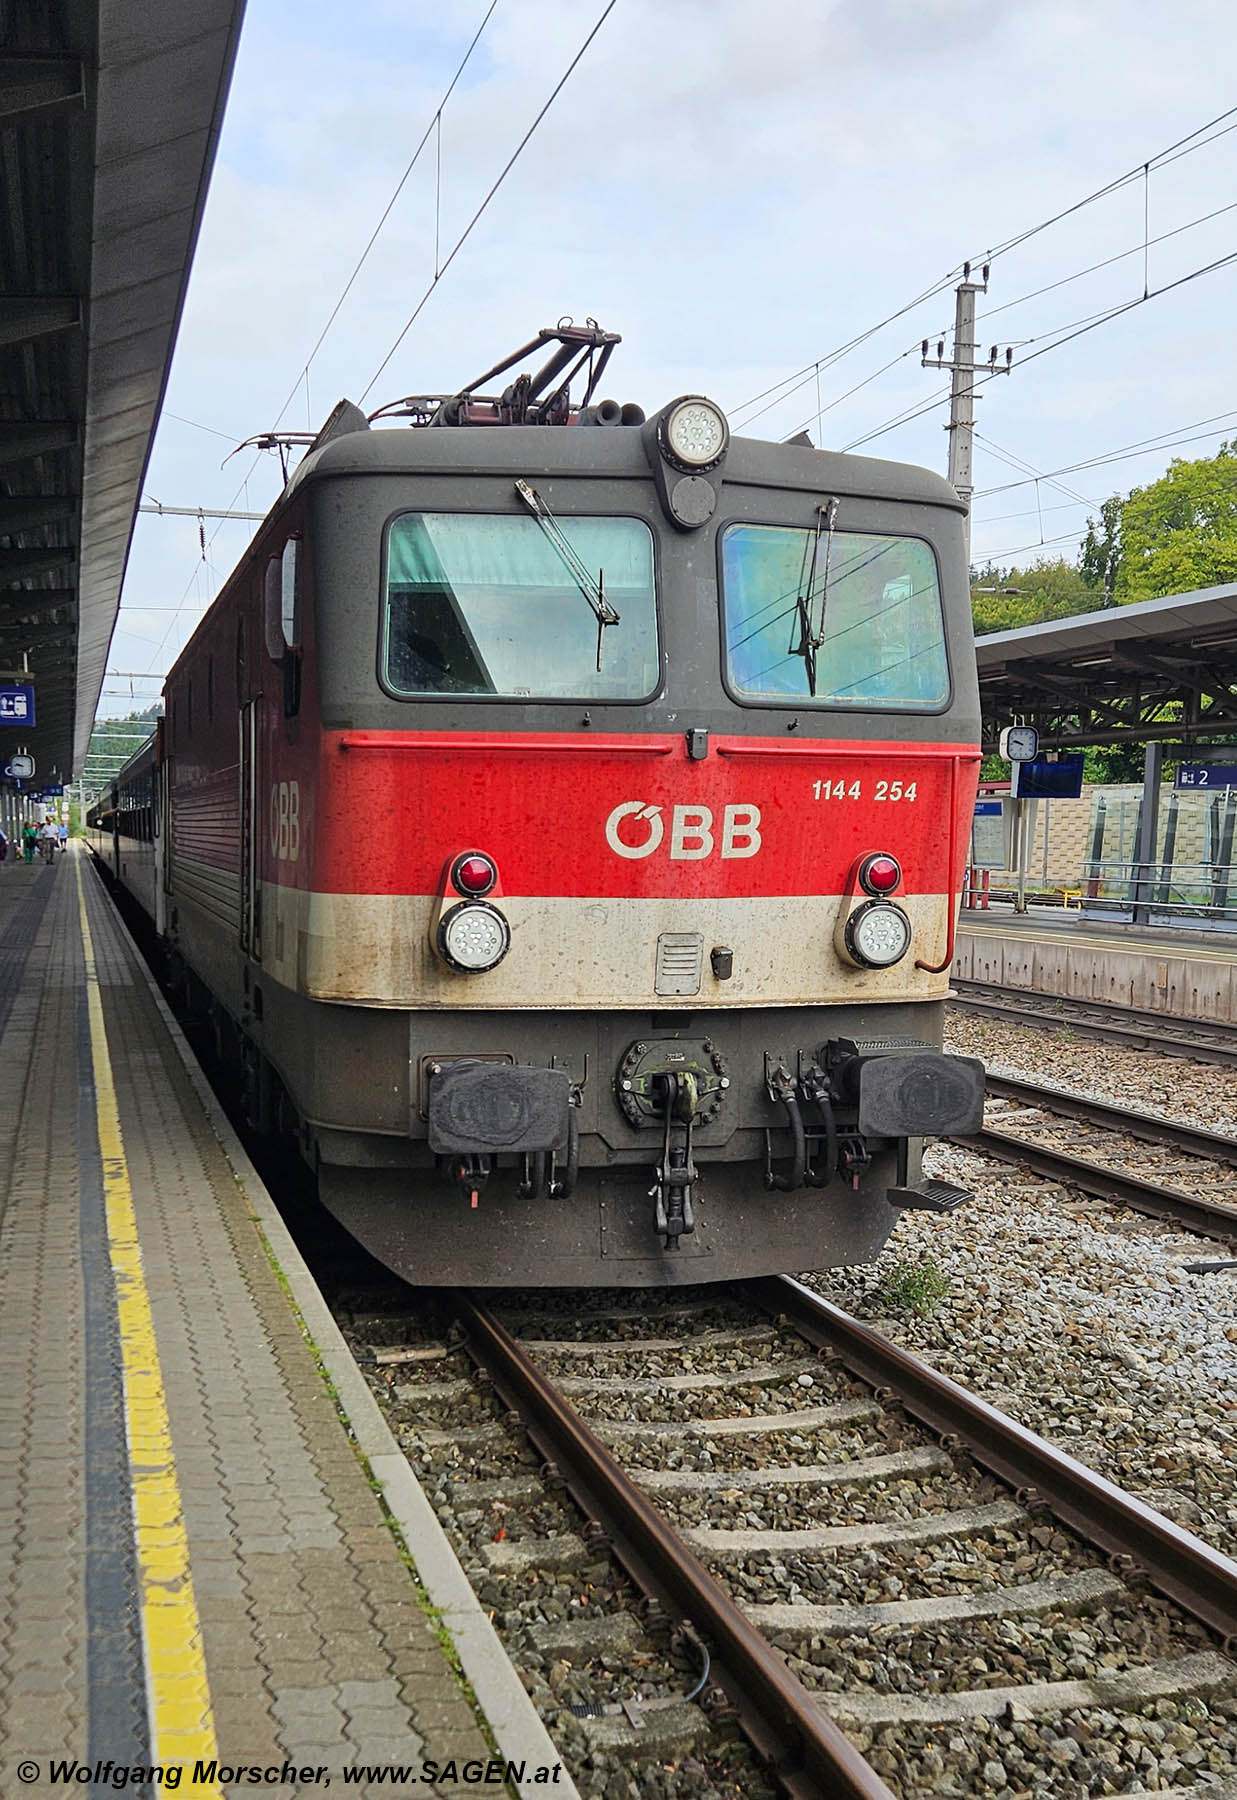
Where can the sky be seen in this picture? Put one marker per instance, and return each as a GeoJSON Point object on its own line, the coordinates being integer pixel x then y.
{"type": "Point", "coordinates": [739, 187]}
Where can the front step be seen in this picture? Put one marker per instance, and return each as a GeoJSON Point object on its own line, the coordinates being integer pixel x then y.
{"type": "Point", "coordinates": [930, 1196]}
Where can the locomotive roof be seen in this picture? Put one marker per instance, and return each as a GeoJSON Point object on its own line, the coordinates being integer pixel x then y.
{"type": "Point", "coordinates": [609, 452]}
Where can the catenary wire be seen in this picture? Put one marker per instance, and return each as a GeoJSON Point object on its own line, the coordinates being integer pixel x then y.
{"type": "Point", "coordinates": [1161, 159]}
{"type": "Point", "coordinates": [1121, 256]}
{"type": "Point", "coordinates": [1035, 294]}
{"type": "Point", "coordinates": [303, 376]}
{"type": "Point", "coordinates": [1140, 447]}
{"type": "Point", "coordinates": [510, 164]}
{"type": "Point", "coordinates": [1082, 327]}
{"type": "Point", "coordinates": [1181, 147]}
{"type": "Point", "coordinates": [387, 210]}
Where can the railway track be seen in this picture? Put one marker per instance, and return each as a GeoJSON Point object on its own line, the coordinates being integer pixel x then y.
{"type": "Point", "coordinates": [1187, 1178]}
{"type": "Point", "coordinates": [891, 1587]}
{"type": "Point", "coordinates": [1198, 1040]}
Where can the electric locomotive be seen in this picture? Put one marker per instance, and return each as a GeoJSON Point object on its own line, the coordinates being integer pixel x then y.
{"type": "Point", "coordinates": [563, 812]}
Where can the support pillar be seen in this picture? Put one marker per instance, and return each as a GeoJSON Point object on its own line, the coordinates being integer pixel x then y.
{"type": "Point", "coordinates": [1148, 825]}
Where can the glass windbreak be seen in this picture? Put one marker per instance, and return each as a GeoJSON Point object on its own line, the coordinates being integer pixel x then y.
{"type": "Point", "coordinates": [492, 605]}
{"type": "Point", "coordinates": [855, 622]}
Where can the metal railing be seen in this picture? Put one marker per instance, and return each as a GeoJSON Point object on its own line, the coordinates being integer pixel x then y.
{"type": "Point", "coordinates": [1204, 890]}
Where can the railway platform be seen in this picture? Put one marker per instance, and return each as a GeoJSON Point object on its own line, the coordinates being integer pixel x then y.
{"type": "Point", "coordinates": [215, 1559]}
{"type": "Point", "coordinates": [1179, 973]}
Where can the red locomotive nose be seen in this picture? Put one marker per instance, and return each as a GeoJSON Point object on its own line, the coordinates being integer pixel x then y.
{"type": "Point", "coordinates": [473, 874]}
{"type": "Point", "coordinates": [880, 874]}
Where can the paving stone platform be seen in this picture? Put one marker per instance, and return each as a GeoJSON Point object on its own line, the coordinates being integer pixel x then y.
{"type": "Point", "coordinates": [310, 1640]}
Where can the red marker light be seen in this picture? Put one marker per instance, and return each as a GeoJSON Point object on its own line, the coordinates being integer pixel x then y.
{"type": "Point", "coordinates": [880, 874]}
{"type": "Point", "coordinates": [473, 874]}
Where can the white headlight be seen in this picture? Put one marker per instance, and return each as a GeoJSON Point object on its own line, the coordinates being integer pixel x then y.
{"type": "Point", "coordinates": [696, 433]}
{"type": "Point", "coordinates": [878, 934]}
{"type": "Point", "coordinates": [473, 937]}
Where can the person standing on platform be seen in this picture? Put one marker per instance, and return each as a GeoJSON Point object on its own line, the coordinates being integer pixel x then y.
{"type": "Point", "coordinates": [64, 837]}
{"type": "Point", "coordinates": [29, 838]}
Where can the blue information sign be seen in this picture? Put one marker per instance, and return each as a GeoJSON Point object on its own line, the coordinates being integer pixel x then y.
{"type": "Point", "coordinates": [988, 809]}
{"type": "Point", "coordinates": [1206, 775]}
{"type": "Point", "coordinates": [1044, 780]}
{"type": "Point", "coordinates": [17, 705]}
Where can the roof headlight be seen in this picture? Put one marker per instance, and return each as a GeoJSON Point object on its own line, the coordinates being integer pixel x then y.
{"type": "Point", "coordinates": [877, 934]}
{"type": "Point", "coordinates": [473, 937]}
{"type": "Point", "coordinates": [694, 433]}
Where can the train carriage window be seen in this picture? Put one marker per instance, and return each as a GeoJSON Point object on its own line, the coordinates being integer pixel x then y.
{"type": "Point", "coordinates": [290, 594]}
{"type": "Point", "coordinates": [488, 604]}
{"type": "Point", "coordinates": [871, 636]}
{"type": "Point", "coordinates": [272, 607]}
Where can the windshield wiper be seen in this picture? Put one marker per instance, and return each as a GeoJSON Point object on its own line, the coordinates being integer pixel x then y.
{"type": "Point", "coordinates": [594, 591]}
{"type": "Point", "coordinates": [811, 637]}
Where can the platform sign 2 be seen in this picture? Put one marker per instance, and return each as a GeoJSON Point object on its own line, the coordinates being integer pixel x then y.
{"type": "Point", "coordinates": [17, 705]}
{"type": "Point", "coordinates": [1206, 775]}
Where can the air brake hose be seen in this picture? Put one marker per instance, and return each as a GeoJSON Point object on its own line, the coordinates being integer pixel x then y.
{"type": "Point", "coordinates": [822, 1176]}
{"type": "Point", "coordinates": [787, 1184]}
{"type": "Point", "coordinates": [564, 1189]}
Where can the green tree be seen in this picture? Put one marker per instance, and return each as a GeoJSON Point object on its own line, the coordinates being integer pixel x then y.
{"type": "Point", "coordinates": [1174, 535]}
{"type": "Point", "coordinates": [114, 741]}
{"type": "Point", "coordinates": [1101, 549]}
{"type": "Point", "coordinates": [1003, 599]}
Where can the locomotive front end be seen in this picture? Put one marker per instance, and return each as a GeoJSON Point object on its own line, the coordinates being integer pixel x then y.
{"type": "Point", "coordinates": [619, 941]}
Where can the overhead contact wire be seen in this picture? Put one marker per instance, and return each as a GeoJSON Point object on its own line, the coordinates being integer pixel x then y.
{"type": "Point", "coordinates": [510, 164]}
{"type": "Point", "coordinates": [436, 120]}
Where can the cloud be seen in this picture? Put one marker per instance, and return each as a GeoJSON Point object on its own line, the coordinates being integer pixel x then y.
{"type": "Point", "coordinates": [737, 188]}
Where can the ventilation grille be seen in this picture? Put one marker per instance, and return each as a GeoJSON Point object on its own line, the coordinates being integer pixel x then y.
{"type": "Point", "coordinates": [680, 962]}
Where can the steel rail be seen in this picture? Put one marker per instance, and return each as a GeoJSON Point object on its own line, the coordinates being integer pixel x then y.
{"type": "Point", "coordinates": [810, 1755]}
{"type": "Point", "coordinates": [1154, 1033]}
{"type": "Point", "coordinates": [1210, 1218]}
{"type": "Point", "coordinates": [1180, 1565]}
{"type": "Point", "coordinates": [1190, 1138]}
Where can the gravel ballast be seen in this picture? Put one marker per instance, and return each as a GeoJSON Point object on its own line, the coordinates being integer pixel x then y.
{"type": "Point", "coordinates": [1075, 1316]}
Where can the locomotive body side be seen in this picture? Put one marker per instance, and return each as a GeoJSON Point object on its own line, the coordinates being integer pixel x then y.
{"type": "Point", "coordinates": [676, 865]}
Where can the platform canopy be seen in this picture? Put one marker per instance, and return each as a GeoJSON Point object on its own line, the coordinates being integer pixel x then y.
{"type": "Point", "coordinates": [1157, 671]}
{"type": "Point", "coordinates": [109, 117]}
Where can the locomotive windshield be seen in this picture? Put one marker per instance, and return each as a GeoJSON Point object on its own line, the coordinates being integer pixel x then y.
{"type": "Point", "coordinates": [871, 635]}
{"type": "Point", "coordinates": [487, 604]}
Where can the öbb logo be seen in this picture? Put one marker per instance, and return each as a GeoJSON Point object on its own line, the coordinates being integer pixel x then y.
{"type": "Point", "coordinates": [691, 831]}
{"type": "Point", "coordinates": [286, 820]}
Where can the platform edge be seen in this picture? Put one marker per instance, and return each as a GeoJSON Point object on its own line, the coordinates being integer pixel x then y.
{"type": "Point", "coordinates": [507, 1709]}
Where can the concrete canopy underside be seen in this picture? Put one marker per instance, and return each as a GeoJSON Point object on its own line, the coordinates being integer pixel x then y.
{"type": "Point", "coordinates": [1158, 671]}
{"type": "Point", "coordinates": [109, 117]}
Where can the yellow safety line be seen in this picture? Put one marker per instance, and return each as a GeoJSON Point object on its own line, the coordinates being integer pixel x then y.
{"type": "Point", "coordinates": [181, 1718]}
